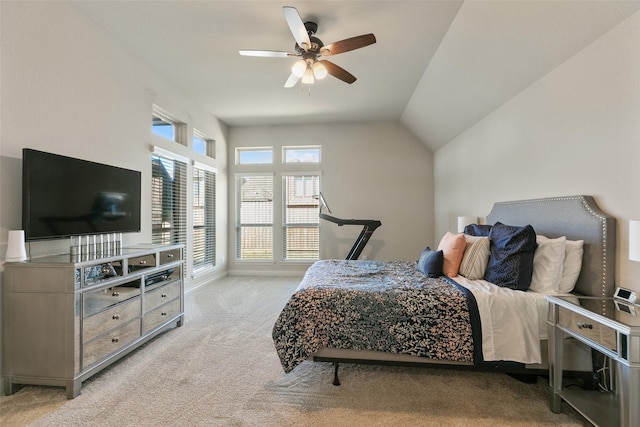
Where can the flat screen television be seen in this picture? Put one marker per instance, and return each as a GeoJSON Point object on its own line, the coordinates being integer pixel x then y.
{"type": "Point", "coordinates": [63, 197]}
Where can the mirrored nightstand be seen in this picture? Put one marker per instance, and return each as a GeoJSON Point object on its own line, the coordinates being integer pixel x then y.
{"type": "Point", "coordinates": [612, 328]}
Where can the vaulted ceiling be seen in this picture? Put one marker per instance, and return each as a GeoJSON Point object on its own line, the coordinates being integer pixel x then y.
{"type": "Point", "coordinates": [437, 66]}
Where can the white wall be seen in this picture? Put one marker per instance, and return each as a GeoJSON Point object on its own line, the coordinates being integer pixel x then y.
{"type": "Point", "coordinates": [371, 170]}
{"type": "Point", "coordinates": [69, 89]}
{"type": "Point", "coordinates": [576, 131]}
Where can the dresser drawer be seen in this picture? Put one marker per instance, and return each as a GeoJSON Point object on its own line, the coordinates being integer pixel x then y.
{"type": "Point", "coordinates": [95, 301]}
{"type": "Point", "coordinates": [110, 342]}
{"type": "Point", "coordinates": [587, 328]}
{"type": "Point", "coordinates": [169, 256]}
{"type": "Point", "coordinates": [161, 314]}
{"type": "Point", "coordinates": [157, 297]}
{"type": "Point", "coordinates": [146, 261]}
{"type": "Point", "coordinates": [111, 318]}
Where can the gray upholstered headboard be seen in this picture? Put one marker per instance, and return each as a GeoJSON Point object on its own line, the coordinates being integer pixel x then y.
{"type": "Point", "coordinates": [578, 218]}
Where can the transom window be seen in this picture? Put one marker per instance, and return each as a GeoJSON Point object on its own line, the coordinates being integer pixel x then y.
{"type": "Point", "coordinates": [253, 156]}
{"type": "Point", "coordinates": [301, 154]}
{"type": "Point", "coordinates": [203, 145]}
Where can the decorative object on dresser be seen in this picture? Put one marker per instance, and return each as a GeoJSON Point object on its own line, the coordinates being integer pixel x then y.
{"type": "Point", "coordinates": [15, 246]}
{"type": "Point", "coordinates": [66, 317]}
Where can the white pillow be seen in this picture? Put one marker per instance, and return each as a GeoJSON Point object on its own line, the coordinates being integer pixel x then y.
{"type": "Point", "coordinates": [571, 266]}
{"type": "Point", "coordinates": [475, 257]}
{"type": "Point", "coordinates": [548, 262]}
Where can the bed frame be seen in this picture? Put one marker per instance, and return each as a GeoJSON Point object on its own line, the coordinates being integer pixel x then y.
{"type": "Point", "coordinates": [577, 218]}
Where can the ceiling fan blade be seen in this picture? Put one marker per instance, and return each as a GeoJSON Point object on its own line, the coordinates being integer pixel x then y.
{"type": "Point", "coordinates": [266, 53]}
{"type": "Point", "coordinates": [348, 44]}
{"type": "Point", "coordinates": [291, 81]}
{"type": "Point", "coordinates": [338, 72]}
{"type": "Point", "coordinates": [296, 26]}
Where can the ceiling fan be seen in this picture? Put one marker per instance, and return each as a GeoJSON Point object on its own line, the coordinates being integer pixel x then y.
{"type": "Point", "coordinates": [309, 49]}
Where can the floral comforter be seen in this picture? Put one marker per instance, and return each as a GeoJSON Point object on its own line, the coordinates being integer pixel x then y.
{"type": "Point", "coordinates": [384, 306]}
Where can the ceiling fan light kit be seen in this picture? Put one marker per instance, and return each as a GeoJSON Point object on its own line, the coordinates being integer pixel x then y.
{"type": "Point", "coordinates": [319, 70]}
{"type": "Point", "coordinates": [310, 49]}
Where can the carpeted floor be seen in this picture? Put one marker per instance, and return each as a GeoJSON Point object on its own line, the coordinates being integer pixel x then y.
{"type": "Point", "coordinates": [221, 369]}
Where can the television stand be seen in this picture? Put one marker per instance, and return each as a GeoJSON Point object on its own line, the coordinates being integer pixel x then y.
{"type": "Point", "coordinates": [66, 317]}
{"type": "Point", "coordinates": [368, 227]}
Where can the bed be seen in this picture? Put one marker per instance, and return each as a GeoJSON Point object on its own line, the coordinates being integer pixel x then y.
{"type": "Point", "coordinates": [389, 312]}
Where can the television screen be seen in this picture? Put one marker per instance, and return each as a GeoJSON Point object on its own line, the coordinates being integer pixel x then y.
{"type": "Point", "coordinates": [63, 197]}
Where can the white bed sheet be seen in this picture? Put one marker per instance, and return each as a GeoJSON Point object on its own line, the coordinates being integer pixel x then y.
{"type": "Point", "coordinates": [513, 322]}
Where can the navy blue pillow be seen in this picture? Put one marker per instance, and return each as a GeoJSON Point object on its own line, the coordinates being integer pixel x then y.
{"type": "Point", "coordinates": [430, 262]}
{"type": "Point", "coordinates": [481, 230]}
{"type": "Point", "coordinates": [511, 256]}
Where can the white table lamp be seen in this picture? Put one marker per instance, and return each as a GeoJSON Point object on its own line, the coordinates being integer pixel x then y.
{"type": "Point", "coordinates": [463, 221]}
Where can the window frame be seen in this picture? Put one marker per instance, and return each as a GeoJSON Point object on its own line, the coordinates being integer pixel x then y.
{"type": "Point", "coordinates": [290, 225]}
{"type": "Point", "coordinates": [239, 223]}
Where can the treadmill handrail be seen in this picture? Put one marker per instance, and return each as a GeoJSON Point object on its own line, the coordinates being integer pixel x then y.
{"type": "Point", "coordinates": [368, 222]}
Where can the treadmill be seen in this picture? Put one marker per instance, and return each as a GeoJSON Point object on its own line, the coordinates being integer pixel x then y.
{"type": "Point", "coordinates": [368, 227]}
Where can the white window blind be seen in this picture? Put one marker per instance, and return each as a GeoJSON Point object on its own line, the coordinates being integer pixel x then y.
{"type": "Point", "coordinates": [204, 218]}
{"type": "Point", "coordinates": [168, 201]}
{"type": "Point", "coordinates": [301, 228]}
{"type": "Point", "coordinates": [254, 228]}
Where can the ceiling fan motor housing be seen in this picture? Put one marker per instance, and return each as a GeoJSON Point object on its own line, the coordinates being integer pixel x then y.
{"type": "Point", "coordinates": [316, 45]}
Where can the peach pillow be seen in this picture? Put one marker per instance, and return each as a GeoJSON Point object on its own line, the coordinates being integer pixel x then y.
{"type": "Point", "coordinates": [452, 246]}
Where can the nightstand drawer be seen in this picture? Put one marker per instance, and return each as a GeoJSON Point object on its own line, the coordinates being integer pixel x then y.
{"type": "Point", "coordinates": [587, 328]}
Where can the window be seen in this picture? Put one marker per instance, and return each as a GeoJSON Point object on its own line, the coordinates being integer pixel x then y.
{"type": "Point", "coordinates": [203, 145]}
{"type": "Point", "coordinates": [301, 228]}
{"type": "Point", "coordinates": [168, 200]}
{"type": "Point", "coordinates": [252, 156]}
{"type": "Point", "coordinates": [301, 154]}
{"type": "Point", "coordinates": [254, 198]}
{"type": "Point", "coordinates": [164, 128]}
{"type": "Point", "coordinates": [285, 231]}
{"type": "Point", "coordinates": [204, 217]}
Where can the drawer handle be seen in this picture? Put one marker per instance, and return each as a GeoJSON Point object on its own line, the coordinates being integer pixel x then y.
{"type": "Point", "coordinates": [115, 294]}
{"type": "Point", "coordinates": [116, 317]}
{"type": "Point", "coordinates": [170, 256]}
{"type": "Point", "coordinates": [114, 340]}
{"type": "Point", "coordinates": [163, 296]}
{"type": "Point", "coordinates": [584, 325]}
{"type": "Point", "coordinates": [163, 314]}
{"type": "Point", "coordinates": [142, 261]}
